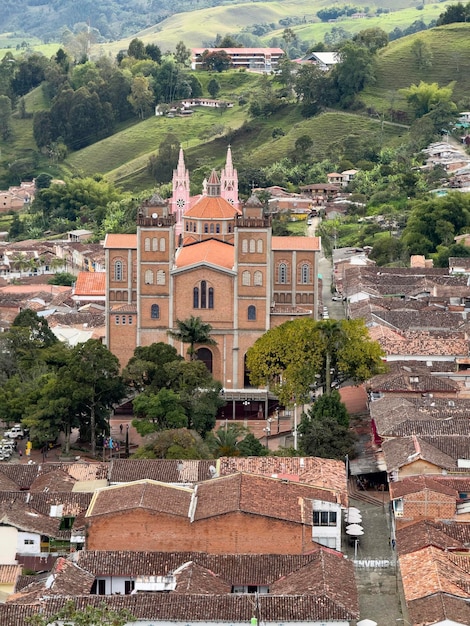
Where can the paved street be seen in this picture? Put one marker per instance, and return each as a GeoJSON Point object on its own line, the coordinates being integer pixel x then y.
{"type": "Point", "coordinates": [376, 578]}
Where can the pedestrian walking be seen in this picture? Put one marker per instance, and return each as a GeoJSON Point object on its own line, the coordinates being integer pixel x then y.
{"type": "Point", "coordinates": [120, 428]}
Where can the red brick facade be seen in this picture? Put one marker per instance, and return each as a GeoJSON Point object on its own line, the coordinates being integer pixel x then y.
{"type": "Point", "coordinates": [233, 533]}
{"type": "Point", "coordinates": [225, 267]}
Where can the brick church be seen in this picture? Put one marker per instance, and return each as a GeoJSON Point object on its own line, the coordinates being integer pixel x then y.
{"type": "Point", "coordinates": [209, 256]}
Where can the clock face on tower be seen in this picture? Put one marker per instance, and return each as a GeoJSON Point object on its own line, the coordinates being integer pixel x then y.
{"type": "Point", "coordinates": [180, 203]}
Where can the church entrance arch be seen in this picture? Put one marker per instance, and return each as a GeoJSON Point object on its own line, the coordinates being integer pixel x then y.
{"type": "Point", "coordinates": [205, 355]}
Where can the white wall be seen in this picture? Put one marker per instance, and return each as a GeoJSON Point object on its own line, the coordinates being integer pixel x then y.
{"type": "Point", "coordinates": [28, 548]}
{"type": "Point", "coordinates": [8, 543]}
{"type": "Point", "coordinates": [114, 584]}
{"type": "Point", "coordinates": [328, 535]}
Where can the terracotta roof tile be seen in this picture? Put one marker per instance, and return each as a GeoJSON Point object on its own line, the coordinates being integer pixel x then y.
{"type": "Point", "coordinates": [437, 574]}
{"type": "Point", "coordinates": [323, 473]}
{"type": "Point", "coordinates": [328, 574]}
{"type": "Point", "coordinates": [9, 574]}
{"type": "Point", "coordinates": [202, 608]}
{"type": "Point", "coordinates": [27, 519]}
{"type": "Point", "coordinates": [239, 569]}
{"type": "Point", "coordinates": [415, 484]}
{"type": "Point", "coordinates": [90, 284]}
{"type": "Point", "coordinates": [295, 243]}
{"type": "Point", "coordinates": [427, 533]}
{"type": "Point", "coordinates": [255, 495]}
{"type": "Point", "coordinates": [210, 251]}
{"type": "Point", "coordinates": [57, 480]}
{"type": "Point", "coordinates": [403, 451]}
{"type": "Point", "coordinates": [144, 494]}
{"type": "Point", "coordinates": [192, 578]}
{"type": "Point", "coordinates": [420, 343]}
{"type": "Point", "coordinates": [401, 378]}
{"type": "Point", "coordinates": [118, 241]}
{"type": "Point", "coordinates": [212, 207]}
{"type": "Point", "coordinates": [163, 470]}
{"type": "Point", "coordinates": [65, 579]}
{"type": "Point", "coordinates": [439, 608]}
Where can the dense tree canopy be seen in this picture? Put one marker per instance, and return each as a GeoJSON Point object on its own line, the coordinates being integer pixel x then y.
{"type": "Point", "coordinates": [324, 432]}
{"type": "Point", "coordinates": [298, 355]}
{"type": "Point", "coordinates": [171, 393]}
{"type": "Point", "coordinates": [425, 96]}
{"type": "Point", "coordinates": [436, 221]}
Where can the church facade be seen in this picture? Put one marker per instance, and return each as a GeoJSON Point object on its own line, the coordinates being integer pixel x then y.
{"type": "Point", "coordinates": [211, 257]}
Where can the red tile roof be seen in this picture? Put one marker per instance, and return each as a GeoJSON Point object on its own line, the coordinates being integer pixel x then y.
{"type": "Point", "coordinates": [326, 474]}
{"type": "Point", "coordinates": [295, 243]}
{"type": "Point", "coordinates": [212, 207]}
{"type": "Point", "coordinates": [118, 241]}
{"type": "Point", "coordinates": [144, 494]}
{"type": "Point", "coordinates": [415, 484]}
{"type": "Point", "coordinates": [90, 284]}
{"type": "Point", "coordinates": [437, 574]}
{"type": "Point", "coordinates": [211, 251]}
{"type": "Point", "coordinates": [202, 608]}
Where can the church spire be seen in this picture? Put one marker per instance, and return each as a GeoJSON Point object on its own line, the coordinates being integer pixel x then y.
{"type": "Point", "coordinates": [213, 185]}
{"type": "Point", "coordinates": [229, 181]}
{"type": "Point", "coordinates": [180, 198]}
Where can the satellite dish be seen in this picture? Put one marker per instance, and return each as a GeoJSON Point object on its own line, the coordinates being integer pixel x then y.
{"type": "Point", "coordinates": [154, 215]}
{"type": "Point", "coordinates": [212, 470]}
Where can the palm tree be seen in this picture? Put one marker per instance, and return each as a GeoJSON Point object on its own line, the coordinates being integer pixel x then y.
{"type": "Point", "coordinates": [193, 331]}
{"type": "Point", "coordinates": [226, 440]}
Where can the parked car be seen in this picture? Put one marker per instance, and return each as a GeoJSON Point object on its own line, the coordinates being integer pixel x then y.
{"type": "Point", "coordinates": [15, 432]}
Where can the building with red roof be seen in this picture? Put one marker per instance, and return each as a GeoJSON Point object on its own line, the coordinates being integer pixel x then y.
{"type": "Point", "coordinates": [211, 257]}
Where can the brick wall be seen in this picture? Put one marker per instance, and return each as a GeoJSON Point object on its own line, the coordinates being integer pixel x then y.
{"type": "Point", "coordinates": [234, 533]}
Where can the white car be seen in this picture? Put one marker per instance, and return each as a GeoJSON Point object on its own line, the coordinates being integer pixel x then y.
{"type": "Point", "coordinates": [15, 432]}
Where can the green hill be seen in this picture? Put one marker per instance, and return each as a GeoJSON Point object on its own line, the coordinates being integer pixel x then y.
{"type": "Point", "coordinates": [196, 27]}
{"type": "Point", "coordinates": [397, 66]}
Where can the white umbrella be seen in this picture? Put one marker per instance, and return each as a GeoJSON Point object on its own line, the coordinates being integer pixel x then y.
{"type": "Point", "coordinates": [352, 528]}
{"type": "Point", "coordinates": [354, 518]}
{"type": "Point", "coordinates": [354, 532]}
{"type": "Point", "coordinates": [367, 622]}
{"type": "Point", "coordinates": [353, 509]}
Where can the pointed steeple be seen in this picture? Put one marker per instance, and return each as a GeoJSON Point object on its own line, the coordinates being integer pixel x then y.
{"type": "Point", "coordinates": [180, 198]}
{"type": "Point", "coordinates": [228, 160]}
{"type": "Point", "coordinates": [229, 181]}
{"type": "Point", "coordinates": [213, 184]}
{"type": "Point", "coordinates": [181, 167]}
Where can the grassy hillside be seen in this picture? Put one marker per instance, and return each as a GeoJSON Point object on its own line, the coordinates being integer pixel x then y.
{"type": "Point", "coordinates": [199, 26]}
{"type": "Point", "coordinates": [196, 27]}
{"type": "Point", "coordinates": [450, 47]}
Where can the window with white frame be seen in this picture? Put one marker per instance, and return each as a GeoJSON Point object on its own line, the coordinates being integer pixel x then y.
{"type": "Point", "coordinates": [305, 278]}
{"type": "Point", "coordinates": [325, 518]}
{"type": "Point", "coordinates": [162, 244]}
{"type": "Point", "coordinates": [258, 279]}
{"type": "Point", "coordinates": [147, 244]}
{"type": "Point", "coordinates": [118, 270]}
{"type": "Point", "coordinates": [246, 278]}
{"type": "Point", "coordinates": [259, 246]}
{"type": "Point", "coordinates": [282, 273]}
{"type": "Point", "coordinates": [148, 277]}
{"type": "Point", "coordinates": [161, 277]}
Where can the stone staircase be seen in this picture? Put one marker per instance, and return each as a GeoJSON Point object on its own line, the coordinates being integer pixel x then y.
{"type": "Point", "coordinates": [377, 498]}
